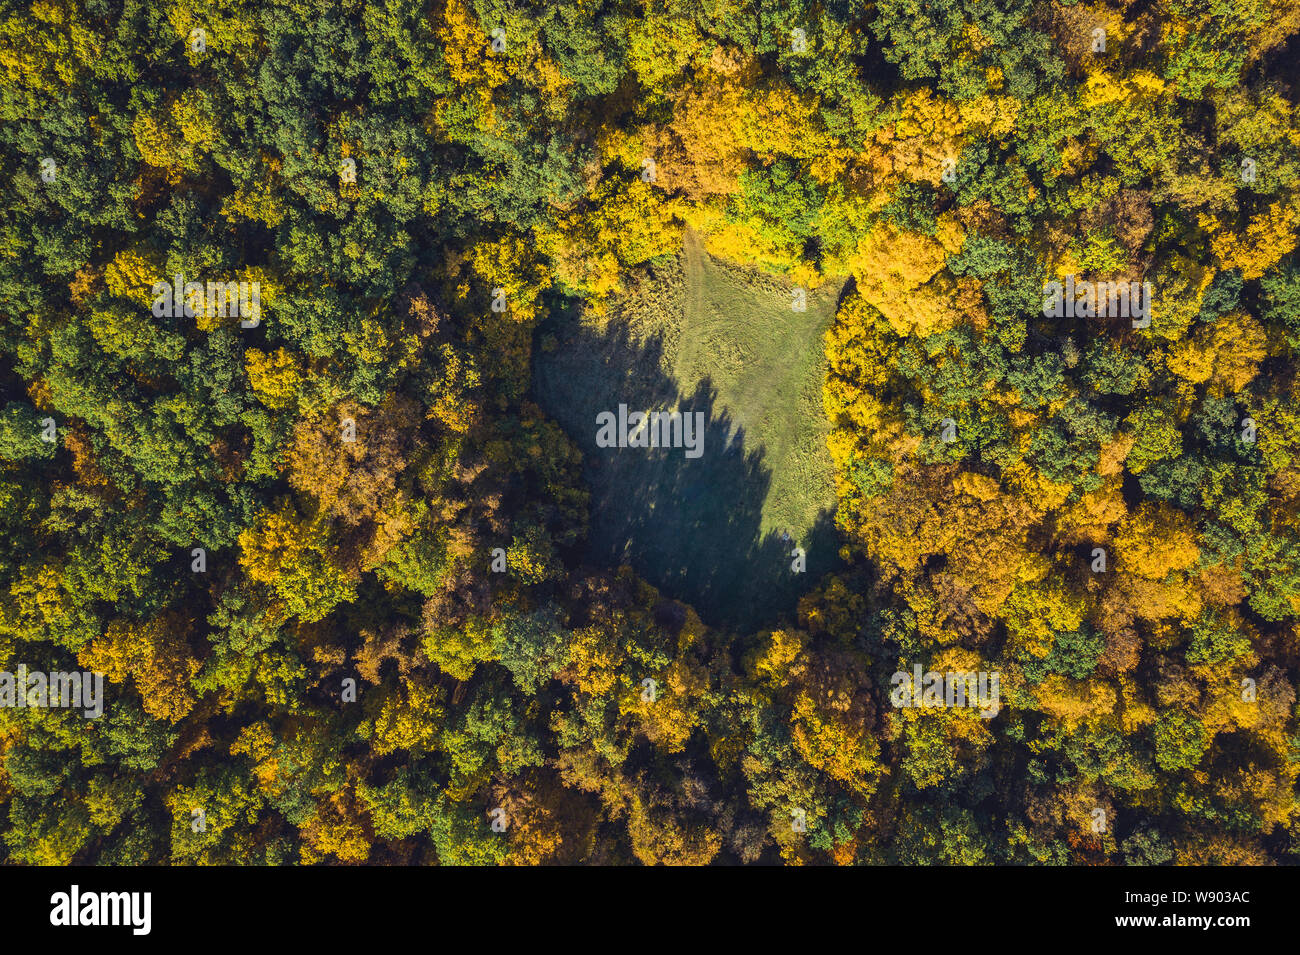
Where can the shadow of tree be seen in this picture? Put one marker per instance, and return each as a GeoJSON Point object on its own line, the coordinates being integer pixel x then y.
{"type": "Point", "coordinates": [690, 526]}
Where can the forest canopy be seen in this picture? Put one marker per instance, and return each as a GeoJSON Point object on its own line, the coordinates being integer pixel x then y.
{"type": "Point", "coordinates": [276, 276]}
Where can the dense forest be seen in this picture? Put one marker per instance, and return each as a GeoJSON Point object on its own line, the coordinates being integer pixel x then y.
{"type": "Point", "coordinates": [274, 274]}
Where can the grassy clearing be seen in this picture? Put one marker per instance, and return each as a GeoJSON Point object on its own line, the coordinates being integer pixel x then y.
{"type": "Point", "coordinates": [697, 334]}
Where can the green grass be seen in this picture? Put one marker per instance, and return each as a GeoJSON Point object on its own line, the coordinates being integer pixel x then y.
{"type": "Point", "coordinates": [702, 335]}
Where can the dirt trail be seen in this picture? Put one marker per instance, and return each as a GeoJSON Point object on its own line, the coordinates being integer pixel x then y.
{"type": "Point", "coordinates": [693, 268]}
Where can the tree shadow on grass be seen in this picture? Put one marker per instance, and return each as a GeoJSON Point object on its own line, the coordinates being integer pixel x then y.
{"type": "Point", "coordinates": [690, 526]}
